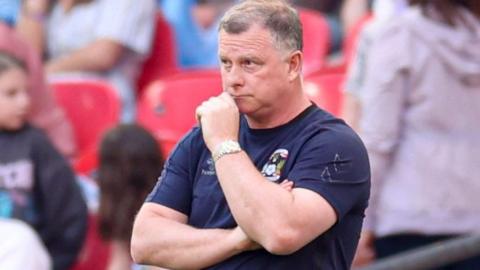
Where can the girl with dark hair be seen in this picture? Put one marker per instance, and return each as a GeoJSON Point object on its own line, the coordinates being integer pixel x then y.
{"type": "Point", "coordinates": [420, 126]}
{"type": "Point", "coordinates": [130, 163]}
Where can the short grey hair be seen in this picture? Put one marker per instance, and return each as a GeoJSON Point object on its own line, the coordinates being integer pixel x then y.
{"type": "Point", "coordinates": [277, 16]}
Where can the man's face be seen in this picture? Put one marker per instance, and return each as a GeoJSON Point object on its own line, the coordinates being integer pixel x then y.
{"type": "Point", "coordinates": [14, 99]}
{"type": "Point", "coordinates": [254, 72]}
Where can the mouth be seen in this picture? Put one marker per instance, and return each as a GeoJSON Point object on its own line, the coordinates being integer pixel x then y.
{"type": "Point", "coordinates": [239, 97]}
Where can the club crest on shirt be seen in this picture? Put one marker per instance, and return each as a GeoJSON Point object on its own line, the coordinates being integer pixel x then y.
{"type": "Point", "coordinates": [273, 168]}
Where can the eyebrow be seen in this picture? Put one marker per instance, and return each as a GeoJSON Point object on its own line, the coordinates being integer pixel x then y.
{"type": "Point", "coordinates": [242, 58]}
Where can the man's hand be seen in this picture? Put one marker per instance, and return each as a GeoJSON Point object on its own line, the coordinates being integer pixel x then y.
{"type": "Point", "coordinates": [219, 120]}
{"type": "Point", "coordinates": [244, 242]}
{"type": "Point", "coordinates": [287, 185]}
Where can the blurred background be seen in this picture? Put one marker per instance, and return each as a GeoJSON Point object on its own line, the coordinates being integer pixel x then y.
{"type": "Point", "coordinates": [114, 85]}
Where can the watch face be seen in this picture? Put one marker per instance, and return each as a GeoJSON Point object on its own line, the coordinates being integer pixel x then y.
{"type": "Point", "coordinates": [227, 147]}
{"type": "Point", "coordinates": [231, 146]}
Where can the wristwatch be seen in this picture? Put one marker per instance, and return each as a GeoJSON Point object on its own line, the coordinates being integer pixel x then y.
{"type": "Point", "coordinates": [225, 148]}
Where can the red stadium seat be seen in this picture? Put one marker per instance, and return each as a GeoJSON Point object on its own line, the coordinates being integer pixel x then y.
{"type": "Point", "coordinates": [163, 57]}
{"type": "Point", "coordinates": [91, 106]}
{"type": "Point", "coordinates": [167, 107]}
{"type": "Point", "coordinates": [326, 91]}
{"type": "Point", "coordinates": [316, 39]}
{"type": "Point", "coordinates": [86, 162]}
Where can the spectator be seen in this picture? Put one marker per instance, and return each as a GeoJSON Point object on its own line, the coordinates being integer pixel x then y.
{"type": "Point", "coordinates": [331, 10]}
{"type": "Point", "coordinates": [383, 12]}
{"type": "Point", "coordinates": [419, 124]}
{"type": "Point", "coordinates": [130, 163]}
{"type": "Point", "coordinates": [195, 26]}
{"type": "Point", "coordinates": [45, 112]}
{"type": "Point", "coordinates": [21, 248]}
{"type": "Point", "coordinates": [101, 38]}
{"type": "Point", "coordinates": [36, 183]}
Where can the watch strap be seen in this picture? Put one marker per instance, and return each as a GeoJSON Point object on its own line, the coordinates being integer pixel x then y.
{"type": "Point", "coordinates": [225, 148]}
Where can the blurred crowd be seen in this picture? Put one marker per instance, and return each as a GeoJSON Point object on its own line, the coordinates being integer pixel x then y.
{"type": "Point", "coordinates": [409, 84]}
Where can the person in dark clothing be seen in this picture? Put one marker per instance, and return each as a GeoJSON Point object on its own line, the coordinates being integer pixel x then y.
{"type": "Point", "coordinates": [37, 184]}
{"type": "Point", "coordinates": [219, 203]}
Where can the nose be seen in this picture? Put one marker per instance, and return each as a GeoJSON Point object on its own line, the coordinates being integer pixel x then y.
{"type": "Point", "coordinates": [233, 79]}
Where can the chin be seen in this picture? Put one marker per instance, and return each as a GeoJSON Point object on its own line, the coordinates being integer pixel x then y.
{"type": "Point", "coordinates": [245, 110]}
{"type": "Point", "coordinates": [13, 126]}
{"type": "Point", "coordinates": [244, 107]}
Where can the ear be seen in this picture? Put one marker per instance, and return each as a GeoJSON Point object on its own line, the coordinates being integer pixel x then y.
{"type": "Point", "coordinates": [295, 63]}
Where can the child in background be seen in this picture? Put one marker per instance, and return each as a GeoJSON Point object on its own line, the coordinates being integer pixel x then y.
{"type": "Point", "coordinates": [37, 184]}
{"type": "Point", "coordinates": [45, 112]}
{"type": "Point", "coordinates": [130, 163]}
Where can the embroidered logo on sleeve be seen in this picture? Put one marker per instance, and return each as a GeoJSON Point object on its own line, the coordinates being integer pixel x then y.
{"type": "Point", "coordinates": [273, 168]}
{"type": "Point", "coordinates": [210, 168]}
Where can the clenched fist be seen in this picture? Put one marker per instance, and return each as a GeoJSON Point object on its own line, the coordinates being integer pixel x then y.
{"type": "Point", "coordinates": [219, 119]}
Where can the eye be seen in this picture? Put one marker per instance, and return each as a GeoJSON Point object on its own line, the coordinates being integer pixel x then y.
{"type": "Point", "coordinates": [225, 63]}
{"type": "Point", "coordinates": [11, 92]}
{"type": "Point", "coordinates": [250, 65]}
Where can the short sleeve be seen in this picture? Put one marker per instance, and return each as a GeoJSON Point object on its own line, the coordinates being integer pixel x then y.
{"type": "Point", "coordinates": [174, 186]}
{"type": "Point", "coordinates": [336, 167]}
{"type": "Point", "coordinates": [130, 22]}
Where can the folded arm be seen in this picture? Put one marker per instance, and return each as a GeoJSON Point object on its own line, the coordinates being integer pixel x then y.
{"type": "Point", "coordinates": [279, 220]}
{"type": "Point", "coordinates": [162, 238]}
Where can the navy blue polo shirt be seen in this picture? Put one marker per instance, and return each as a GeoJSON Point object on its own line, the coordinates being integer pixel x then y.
{"type": "Point", "coordinates": [315, 150]}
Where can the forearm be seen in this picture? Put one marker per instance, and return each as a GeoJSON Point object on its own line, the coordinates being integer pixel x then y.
{"type": "Point", "coordinates": [30, 27]}
{"type": "Point", "coordinates": [257, 205]}
{"type": "Point", "coordinates": [101, 55]}
{"type": "Point", "coordinates": [351, 12]}
{"type": "Point", "coordinates": [170, 244]}
{"type": "Point", "coordinates": [280, 220]}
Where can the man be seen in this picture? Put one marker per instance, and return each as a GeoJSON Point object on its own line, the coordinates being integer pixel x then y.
{"type": "Point", "coordinates": [218, 203]}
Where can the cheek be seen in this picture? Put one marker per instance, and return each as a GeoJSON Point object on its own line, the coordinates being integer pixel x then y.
{"type": "Point", "coordinates": [4, 104]}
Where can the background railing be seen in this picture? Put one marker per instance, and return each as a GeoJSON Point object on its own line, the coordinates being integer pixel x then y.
{"type": "Point", "coordinates": [431, 256]}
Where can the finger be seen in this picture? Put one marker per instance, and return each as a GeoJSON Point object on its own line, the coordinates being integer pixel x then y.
{"type": "Point", "coordinates": [227, 98]}
{"type": "Point", "coordinates": [288, 182]}
{"type": "Point", "coordinates": [204, 106]}
{"type": "Point", "coordinates": [287, 185]}
{"type": "Point", "coordinates": [199, 113]}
